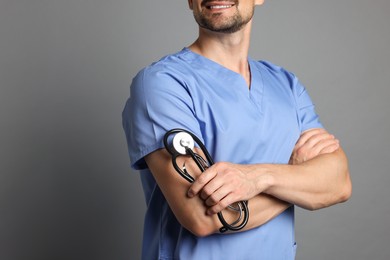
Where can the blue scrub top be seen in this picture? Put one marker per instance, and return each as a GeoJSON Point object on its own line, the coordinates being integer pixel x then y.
{"type": "Point", "coordinates": [260, 124]}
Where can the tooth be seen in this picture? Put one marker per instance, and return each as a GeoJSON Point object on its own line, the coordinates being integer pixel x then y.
{"type": "Point", "coordinates": [220, 6]}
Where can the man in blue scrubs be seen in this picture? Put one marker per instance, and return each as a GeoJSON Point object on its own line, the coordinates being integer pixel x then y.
{"type": "Point", "coordinates": [258, 123]}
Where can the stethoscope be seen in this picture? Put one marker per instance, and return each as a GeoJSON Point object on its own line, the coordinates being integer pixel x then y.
{"type": "Point", "coordinates": [183, 143]}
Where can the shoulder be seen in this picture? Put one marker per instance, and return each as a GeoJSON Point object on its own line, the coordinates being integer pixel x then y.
{"type": "Point", "coordinates": [171, 70]}
{"type": "Point", "coordinates": [273, 69]}
{"type": "Point", "coordinates": [172, 64]}
{"type": "Point", "coordinates": [277, 75]}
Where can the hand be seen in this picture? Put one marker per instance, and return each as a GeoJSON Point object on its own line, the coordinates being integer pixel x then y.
{"type": "Point", "coordinates": [311, 143]}
{"type": "Point", "coordinates": [224, 184]}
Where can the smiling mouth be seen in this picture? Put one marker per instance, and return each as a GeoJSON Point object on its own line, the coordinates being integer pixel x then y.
{"type": "Point", "coordinates": [216, 7]}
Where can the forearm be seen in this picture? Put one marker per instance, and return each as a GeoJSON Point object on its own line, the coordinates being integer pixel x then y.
{"type": "Point", "coordinates": [191, 212]}
{"type": "Point", "coordinates": [317, 183]}
{"type": "Point", "coordinates": [318, 178]}
{"type": "Point", "coordinates": [263, 208]}
{"type": "Point", "coordinates": [270, 189]}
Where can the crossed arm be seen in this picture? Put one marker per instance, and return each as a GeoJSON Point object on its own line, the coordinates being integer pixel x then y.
{"type": "Point", "coordinates": [316, 177]}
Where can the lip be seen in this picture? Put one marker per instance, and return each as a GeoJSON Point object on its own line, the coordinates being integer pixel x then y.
{"type": "Point", "coordinates": [218, 5]}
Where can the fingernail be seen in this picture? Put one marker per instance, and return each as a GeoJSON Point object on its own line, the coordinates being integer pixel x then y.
{"type": "Point", "coordinates": [190, 194]}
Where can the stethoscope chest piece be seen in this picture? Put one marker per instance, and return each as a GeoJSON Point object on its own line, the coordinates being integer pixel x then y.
{"type": "Point", "coordinates": [182, 141]}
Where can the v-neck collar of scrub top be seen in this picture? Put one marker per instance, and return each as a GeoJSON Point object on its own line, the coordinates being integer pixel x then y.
{"type": "Point", "coordinates": [256, 89]}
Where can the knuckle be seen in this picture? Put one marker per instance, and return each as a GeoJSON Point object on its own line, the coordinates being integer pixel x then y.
{"type": "Point", "coordinates": [202, 179]}
{"type": "Point", "coordinates": [205, 193]}
{"type": "Point", "coordinates": [213, 200]}
{"type": "Point", "coordinates": [218, 165]}
{"type": "Point", "coordinates": [300, 152]}
{"type": "Point", "coordinates": [221, 167]}
{"type": "Point", "coordinates": [216, 209]}
{"type": "Point", "coordinates": [321, 130]}
{"type": "Point", "coordinates": [223, 204]}
{"type": "Point", "coordinates": [209, 203]}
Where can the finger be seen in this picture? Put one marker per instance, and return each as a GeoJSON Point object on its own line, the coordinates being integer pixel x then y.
{"type": "Point", "coordinates": [201, 181]}
{"type": "Point", "coordinates": [305, 136]}
{"type": "Point", "coordinates": [211, 187]}
{"type": "Point", "coordinates": [309, 151]}
{"type": "Point", "coordinates": [217, 195]}
{"type": "Point", "coordinates": [318, 143]}
{"type": "Point", "coordinates": [318, 140]}
{"type": "Point", "coordinates": [308, 148]}
{"type": "Point", "coordinates": [223, 204]}
{"type": "Point", "coordinates": [330, 148]}
{"type": "Point", "coordinates": [322, 147]}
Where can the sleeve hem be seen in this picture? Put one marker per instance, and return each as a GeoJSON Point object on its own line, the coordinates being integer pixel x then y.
{"type": "Point", "coordinates": [137, 159]}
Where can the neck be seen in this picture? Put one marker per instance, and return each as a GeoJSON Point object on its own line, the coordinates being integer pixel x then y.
{"type": "Point", "coordinates": [229, 50]}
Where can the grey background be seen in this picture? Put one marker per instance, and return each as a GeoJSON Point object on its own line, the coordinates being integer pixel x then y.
{"type": "Point", "coordinates": [66, 191]}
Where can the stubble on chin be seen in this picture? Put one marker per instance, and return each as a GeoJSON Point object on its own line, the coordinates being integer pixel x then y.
{"type": "Point", "coordinates": [218, 23]}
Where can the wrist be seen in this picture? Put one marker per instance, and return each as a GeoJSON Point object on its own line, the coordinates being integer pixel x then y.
{"type": "Point", "coordinates": [265, 179]}
{"type": "Point", "coordinates": [269, 178]}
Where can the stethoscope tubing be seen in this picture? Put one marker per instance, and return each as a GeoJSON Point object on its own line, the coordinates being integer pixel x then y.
{"type": "Point", "coordinates": [243, 205]}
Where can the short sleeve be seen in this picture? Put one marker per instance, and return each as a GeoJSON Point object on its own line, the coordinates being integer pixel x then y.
{"type": "Point", "coordinates": [159, 101]}
{"type": "Point", "coordinates": [307, 115]}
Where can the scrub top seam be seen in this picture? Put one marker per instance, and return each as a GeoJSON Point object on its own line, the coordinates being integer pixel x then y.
{"type": "Point", "coordinates": [257, 99]}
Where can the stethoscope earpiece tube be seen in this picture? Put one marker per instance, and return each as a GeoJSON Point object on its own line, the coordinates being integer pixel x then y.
{"type": "Point", "coordinates": [182, 144]}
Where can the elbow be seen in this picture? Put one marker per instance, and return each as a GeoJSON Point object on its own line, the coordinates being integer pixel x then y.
{"type": "Point", "coordinates": [338, 192]}
{"type": "Point", "coordinates": [346, 187]}
{"type": "Point", "coordinates": [197, 222]}
{"type": "Point", "coordinates": [315, 205]}
{"type": "Point", "coordinates": [201, 233]}
{"type": "Point", "coordinates": [346, 192]}
{"type": "Point", "coordinates": [200, 229]}
{"type": "Point", "coordinates": [343, 194]}
{"type": "Point", "coordinates": [200, 226]}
